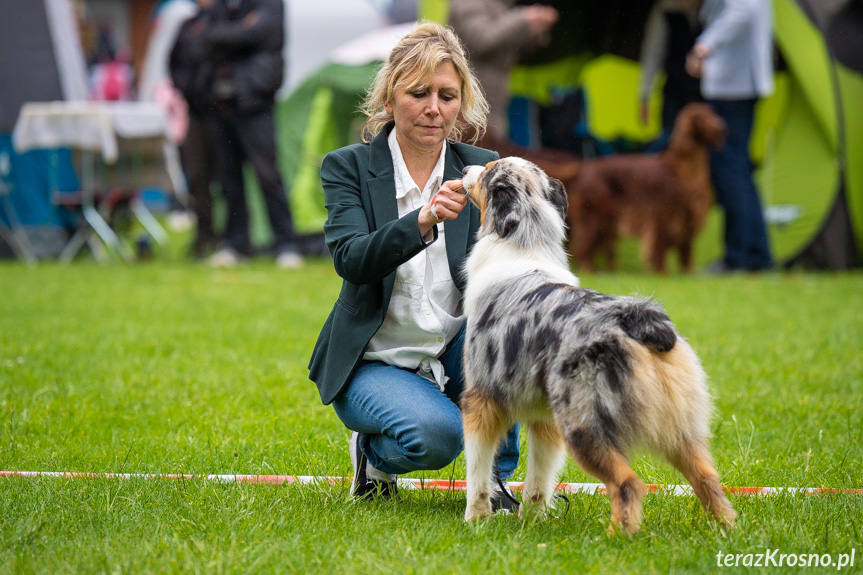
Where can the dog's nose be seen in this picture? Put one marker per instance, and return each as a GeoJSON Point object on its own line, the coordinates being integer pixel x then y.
{"type": "Point", "coordinates": [464, 170]}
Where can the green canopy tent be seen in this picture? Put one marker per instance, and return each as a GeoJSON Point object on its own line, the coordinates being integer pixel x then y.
{"type": "Point", "coordinates": [812, 174]}
{"type": "Point", "coordinates": [806, 138]}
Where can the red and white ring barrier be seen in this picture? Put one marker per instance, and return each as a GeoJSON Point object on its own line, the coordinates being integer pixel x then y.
{"type": "Point", "coordinates": [423, 484]}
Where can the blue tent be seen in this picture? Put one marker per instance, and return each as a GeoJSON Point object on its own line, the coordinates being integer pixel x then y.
{"type": "Point", "coordinates": [40, 39]}
{"type": "Point", "coordinates": [26, 191]}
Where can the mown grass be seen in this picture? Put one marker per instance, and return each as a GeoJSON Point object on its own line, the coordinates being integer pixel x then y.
{"type": "Point", "coordinates": [170, 367]}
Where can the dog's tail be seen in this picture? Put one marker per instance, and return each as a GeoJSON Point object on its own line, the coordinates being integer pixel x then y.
{"type": "Point", "coordinates": [647, 323]}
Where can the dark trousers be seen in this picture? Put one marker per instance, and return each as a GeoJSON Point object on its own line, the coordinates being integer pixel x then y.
{"type": "Point", "coordinates": [239, 137]}
{"type": "Point", "coordinates": [746, 244]}
{"type": "Point", "coordinates": [199, 165]}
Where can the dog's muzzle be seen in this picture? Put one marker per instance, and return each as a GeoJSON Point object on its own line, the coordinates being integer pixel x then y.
{"type": "Point", "coordinates": [470, 174]}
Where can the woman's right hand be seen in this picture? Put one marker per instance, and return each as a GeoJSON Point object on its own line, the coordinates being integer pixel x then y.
{"type": "Point", "coordinates": [446, 204]}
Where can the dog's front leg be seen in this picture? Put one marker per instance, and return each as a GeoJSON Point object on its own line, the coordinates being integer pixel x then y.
{"type": "Point", "coordinates": [484, 425]}
{"type": "Point", "coordinates": [545, 457]}
{"type": "Point", "coordinates": [480, 460]}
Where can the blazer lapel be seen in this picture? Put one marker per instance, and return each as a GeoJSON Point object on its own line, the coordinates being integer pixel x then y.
{"type": "Point", "coordinates": [457, 230]}
{"type": "Point", "coordinates": [382, 185]}
{"type": "Point", "coordinates": [382, 194]}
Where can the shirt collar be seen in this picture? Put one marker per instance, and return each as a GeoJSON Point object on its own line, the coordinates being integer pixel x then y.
{"type": "Point", "coordinates": [404, 182]}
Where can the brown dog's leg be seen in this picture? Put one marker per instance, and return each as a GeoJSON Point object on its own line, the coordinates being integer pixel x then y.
{"type": "Point", "coordinates": [695, 463]}
{"type": "Point", "coordinates": [685, 251]}
{"type": "Point", "coordinates": [544, 460]}
{"type": "Point", "coordinates": [485, 423]}
{"type": "Point", "coordinates": [602, 460]}
{"type": "Point", "coordinates": [653, 249]}
{"type": "Point", "coordinates": [587, 239]}
{"type": "Point", "coordinates": [608, 246]}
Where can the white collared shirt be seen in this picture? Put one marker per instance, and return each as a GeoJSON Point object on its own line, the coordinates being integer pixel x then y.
{"type": "Point", "coordinates": [425, 311]}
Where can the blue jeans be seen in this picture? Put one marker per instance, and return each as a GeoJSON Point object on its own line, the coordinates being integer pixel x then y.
{"type": "Point", "coordinates": [409, 424]}
{"type": "Point", "coordinates": [746, 245]}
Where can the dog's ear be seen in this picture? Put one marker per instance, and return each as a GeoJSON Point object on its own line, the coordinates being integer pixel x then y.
{"type": "Point", "coordinates": [719, 133]}
{"type": "Point", "coordinates": [504, 210]}
{"type": "Point", "coordinates": [556, 194]}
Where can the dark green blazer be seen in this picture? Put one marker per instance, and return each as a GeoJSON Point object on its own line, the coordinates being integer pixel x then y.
{"type": "Point", "coordinates": [368, 242]}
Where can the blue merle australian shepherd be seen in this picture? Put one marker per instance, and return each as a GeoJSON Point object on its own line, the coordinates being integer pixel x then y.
{"type": "Point", "coordinates": [598, 374]}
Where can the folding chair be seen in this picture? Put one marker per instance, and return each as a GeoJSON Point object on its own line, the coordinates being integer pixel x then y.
{"type": "Point", "coordinates": [11, 230]}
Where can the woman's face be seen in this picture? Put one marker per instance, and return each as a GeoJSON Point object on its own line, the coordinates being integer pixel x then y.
{"type": "Point", "coordinates": [425, 116]}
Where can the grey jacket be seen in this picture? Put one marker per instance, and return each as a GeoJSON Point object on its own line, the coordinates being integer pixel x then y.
{"type": "Point", "coordinates": [740, 36]}
{"type": "Point", "coordinates": [495, 34]}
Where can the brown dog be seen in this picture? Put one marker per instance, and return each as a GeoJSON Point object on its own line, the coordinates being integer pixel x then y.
{"type": "Point", "coordinates": [662, 199]}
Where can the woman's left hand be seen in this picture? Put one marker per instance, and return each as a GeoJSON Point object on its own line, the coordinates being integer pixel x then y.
{"type": "Point", "coordinates": [446, 204]}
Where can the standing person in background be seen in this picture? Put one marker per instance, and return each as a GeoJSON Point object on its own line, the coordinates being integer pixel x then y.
{"type": "Point", "coordinates": [191, 72]}
{"type": "Point", "coordinates": [734, 59]}
{"type": "Point", "coordinates": [399, 227]}
{"type": "Point", "coordinates": [244, 40]}
{"type": "Point", "coordinates": [165, 22]}
{"type": "Point", "coordinates": [671, 30]}
{"type": "Point", "coordinates": [496, 33]}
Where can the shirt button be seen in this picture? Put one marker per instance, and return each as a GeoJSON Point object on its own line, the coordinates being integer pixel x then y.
{"type": "Point", "coordinates": [440, 340]}
{"type": "Point", "coordinates": [428, 312]}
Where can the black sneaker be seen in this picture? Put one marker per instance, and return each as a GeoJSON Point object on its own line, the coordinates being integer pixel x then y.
{"type": "Point", "coordinates": [363, 487]}
{"type": "Point", "coordinates": [502, 498]}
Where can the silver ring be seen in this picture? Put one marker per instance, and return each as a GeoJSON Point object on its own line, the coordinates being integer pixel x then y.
{"type": "Point", "coordinates": [434, 211]}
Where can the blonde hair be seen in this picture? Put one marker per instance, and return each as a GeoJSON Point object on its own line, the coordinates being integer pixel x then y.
{"type": "Point", "coordinates": [411, 63]}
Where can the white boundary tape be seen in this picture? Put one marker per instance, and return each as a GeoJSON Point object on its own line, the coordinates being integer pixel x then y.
{"type": "Point", "coordinates": [422, 484]}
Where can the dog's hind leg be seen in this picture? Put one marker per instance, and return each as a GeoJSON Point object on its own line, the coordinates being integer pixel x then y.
{"type": "Point", "coordinates": [695, 463]}
{"type": "Point", "coordinates": [653, 249]}
{"type": "Point", "coordinates": [545, 457]}
{"type": "Point", "coordinates": [608, 246]}
{"type": "Point", "coordinates": [485, 424]}
{"type": "Point", "coordinates": [685, 252]}
{"type": "Point", "coordinates": [598, 457]}
{"type": "Point", "coordinates": [586, 239]}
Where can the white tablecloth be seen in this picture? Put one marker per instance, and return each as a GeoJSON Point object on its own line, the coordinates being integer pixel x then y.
{"type": "Point", "coordinates": [88, 125]}
{"type": "Point", "coordinates": [95, 126]}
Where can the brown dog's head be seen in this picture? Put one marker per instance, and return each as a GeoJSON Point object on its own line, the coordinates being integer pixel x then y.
{"type": "Point", "coordinates": [697, 125]}
{"type": "Point", "coordinates": [512, 193]}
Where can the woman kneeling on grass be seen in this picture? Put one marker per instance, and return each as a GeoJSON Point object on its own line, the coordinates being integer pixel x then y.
{"type": "Point", "coordinates": [399, 227]}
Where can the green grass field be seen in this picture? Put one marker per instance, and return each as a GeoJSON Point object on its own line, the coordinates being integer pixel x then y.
{"type": "Point", "coordinates": [171, 367]}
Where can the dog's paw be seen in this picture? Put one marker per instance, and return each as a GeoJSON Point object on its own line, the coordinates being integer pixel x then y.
{"type": "Point", "coordinates": [627, 528]}
{"type": "Point", "coordinates": [477, 512]}
{"type": "Point", "coordinates": [530, 512]}
{"type": "Point", "coordinates": [726, 519]}
{"type": "Point", "coordinates": [533, 508]}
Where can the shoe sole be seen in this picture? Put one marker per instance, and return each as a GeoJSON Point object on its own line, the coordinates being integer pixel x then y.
{"type": "Point", "coordinates": [355, 452]}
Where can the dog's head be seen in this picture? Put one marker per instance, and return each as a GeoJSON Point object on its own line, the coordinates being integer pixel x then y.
{"type": "Point", "coordinates": [512, 193]}
{"type": "Point", "coordinates": [698, 124]}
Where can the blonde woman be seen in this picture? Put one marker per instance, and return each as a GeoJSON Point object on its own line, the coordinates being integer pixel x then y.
{"type": "Point", "coordinates": [399, 228]}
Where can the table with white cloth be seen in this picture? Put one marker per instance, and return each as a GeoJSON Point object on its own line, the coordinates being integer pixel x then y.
{"type": "Point", "coordinates": [96, 127]}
